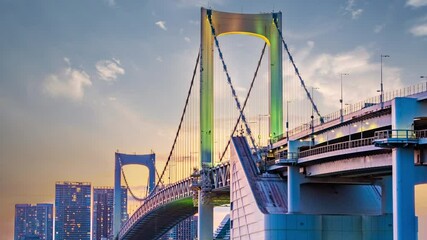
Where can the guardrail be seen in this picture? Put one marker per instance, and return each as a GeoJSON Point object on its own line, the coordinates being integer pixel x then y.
{"type": "Point", "coordinates": [396, 133]}
{"type": "Point", "coordinates": [337, 146]}
{"type": "Point", "coordinates": [403, 92]}
{"type": "Point", "coordinates": [286, 155]}
{"type": "Point", "coordinates": [285, 158]}
{"type": "Point", "coordinates": [400, 134]}
{"type": "Point", "coordinates": [421, 133]}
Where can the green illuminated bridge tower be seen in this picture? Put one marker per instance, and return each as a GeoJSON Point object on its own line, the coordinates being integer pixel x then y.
{"type": "Point", "coordinates": [257, 25]}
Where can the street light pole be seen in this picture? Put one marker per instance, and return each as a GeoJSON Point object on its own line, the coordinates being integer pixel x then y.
{"type": "Point", "coordinates": [426, 82]}
{"type": "Point", "coordinates": [287, 120]}
{"type": "Point", "coordinates": [312, 115]}
{"type": "Point", "coordinates": [382, 88]}
{"type": "Point", "coordinates": [259, 127]}
{"type": "Point", "coordinates": [341, 99]}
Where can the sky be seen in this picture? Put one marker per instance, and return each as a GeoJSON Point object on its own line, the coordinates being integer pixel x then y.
{"type": "Point", "coordinates": [82, 79]}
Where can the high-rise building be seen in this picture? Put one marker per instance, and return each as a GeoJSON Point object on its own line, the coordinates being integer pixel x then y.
{"type": "Point", "coordinates": [72, 208]}
{"type": "Point", "coordinates": [102, 217]}
{"type": "Point", "coordinates": [185, 230]}
{"type": "Point", "coordinates": [34, 221]}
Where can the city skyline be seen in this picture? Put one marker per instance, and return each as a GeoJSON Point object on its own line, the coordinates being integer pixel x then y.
{"type": "Point", "coordinates": [74, 90]}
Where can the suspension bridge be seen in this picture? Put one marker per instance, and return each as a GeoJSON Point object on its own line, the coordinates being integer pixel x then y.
{"type": "Point", "coordinates": [349, 174]}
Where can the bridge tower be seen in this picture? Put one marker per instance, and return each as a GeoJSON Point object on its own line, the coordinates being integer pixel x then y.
{"type": "Point", "coordinates": [258, 25]}
{"type": "Point", "coordinates": [148, 160]}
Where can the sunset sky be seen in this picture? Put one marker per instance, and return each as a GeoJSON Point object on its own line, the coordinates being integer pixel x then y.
{"type": "Point", "coordinates": [82, 79]}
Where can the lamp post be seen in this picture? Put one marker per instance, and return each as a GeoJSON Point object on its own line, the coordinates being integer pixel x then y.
{"type": "Point", "coordinates": [382, 88]}
{"type": "Point", "coordinates": [287, 120]}
{"type": "Point", "coordinates": [259, 127]}
{"type": "Point", "coordinates": [426, 82]}
{"type": "Point", "coordinates": [312, 115]}
{"type": "Point", "coordinates": [348, 107]}
{"type": "Point", "coordinates": [341, 99]}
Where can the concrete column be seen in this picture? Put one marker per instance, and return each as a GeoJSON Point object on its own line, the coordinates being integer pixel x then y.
{"type": "Point", "coordinates": [404, 222]}
{"type": "Point", "coordinates": [294, 180]}
{"type": "Point", "coordinates": [117, 208]}
{"type": "Point", "coordinates": [294, 189]}
{"type": "Point", "coordinates": [205, 221]}
{"type": "Point", "coordinates": [387, 195]}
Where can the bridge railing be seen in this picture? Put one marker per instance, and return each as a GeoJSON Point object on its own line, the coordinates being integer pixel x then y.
{"type": "Point", "coordinates": [421, 133]}
{"type": "Point", "coordinates": [286, 155]}
{"type": "Point", "coordinates": [170, 193]}
{"type": "Point", "coordinates": [396, 133]}
{"type": "Point", "coordinates": [286, 158]}
{"type": "Point", "coordinates": [337, 146]}
{"type": "Point", "coordinates": [403, 92]}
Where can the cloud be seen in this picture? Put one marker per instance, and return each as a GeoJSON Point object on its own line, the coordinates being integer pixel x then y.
{"type": "Point", "coordinates": [378, 28]}
{"type": "Point", "coordinates": [69, 83]}
{"type": "Point", "coordinates": [199, 3]}
{"type": "Point", "coordinates": [109, 70]}
{"type": "Point", "coordinates": [67, 60]}
{"type": "Point", "coordinates": [416, 3]}
{"type": "Point", "coordinates": [194, 22]}
{"type": "Point", "coordinates": [323, 71]}
{"type": "Point", "coordinates": [187, 39]}
{"type": "Point", "coordinates": [419, 30]}
{"type": "Point", "coordinates": [162, 25]}
{"type": "Point", "coordinates": [111, 3]}
{"type": "Point", "coordinates": [355, 13]}
{"type": "Point", "coordinates": [159, 59]}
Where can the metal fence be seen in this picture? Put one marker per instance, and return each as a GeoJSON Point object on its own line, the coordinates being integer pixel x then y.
{"type": "Point", "coordinates": [396, 133]}
{"type": "Point", "coordinates": [337, 146]}
{"type": "Point", "coordinates": [403, 92]}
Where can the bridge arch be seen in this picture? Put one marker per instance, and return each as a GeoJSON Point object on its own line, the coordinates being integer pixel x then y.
{"type": "Point", "coordinates": [121, 159]}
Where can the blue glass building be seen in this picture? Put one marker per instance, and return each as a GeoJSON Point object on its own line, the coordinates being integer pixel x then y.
{"type": "Point", "coordinates": [102, 217]}
{"type": "Point", "coordinates": [185, 230]}
{"type": "Point", "coordinates": [72, 208]}
{"type": "Point", "coordinates": [34, 221]}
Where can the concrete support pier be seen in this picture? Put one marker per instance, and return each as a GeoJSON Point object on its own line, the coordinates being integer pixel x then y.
{"type": "Point", "coordinates": [205, 221]}
{"type": "Point", "coordinates": [404, 221]}
{"type": "Point", "coordinates": [294, 180]}
{"type": "Point", "coordinates": [294, 189]}
{"type": "Point", "coordinates": [404, 110]}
